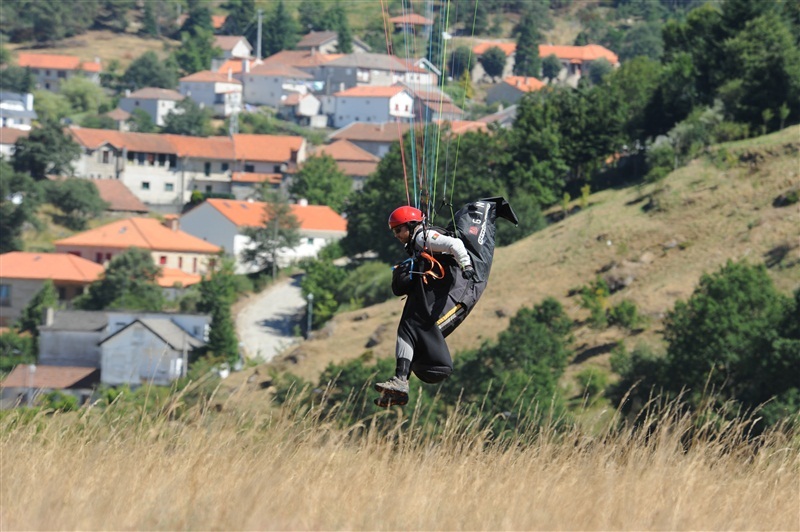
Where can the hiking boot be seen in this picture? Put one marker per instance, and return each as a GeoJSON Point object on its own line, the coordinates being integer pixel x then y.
{"type": "Point", "coordinates": [395, 387]}
{"type": "Point", "coordinates": [385, 400]}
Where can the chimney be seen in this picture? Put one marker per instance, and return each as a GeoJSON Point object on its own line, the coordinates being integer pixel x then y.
{"type": "Point", "coordinates": [173, 223]}
{"type": "Point", "coordinates": [28, 101]}
{"type": "Point", "coordinates": [303, 202]}
{"type": "Point", "coordinates": [127, 92]}
{"type": "Point", "coordinates": [245, 66]}
{"type": "Point", "coordinates": [230, 74]}
{"type": "Point", "coordinates": [48, 315]}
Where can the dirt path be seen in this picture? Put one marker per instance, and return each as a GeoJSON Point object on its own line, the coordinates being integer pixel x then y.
{"type": "Point", "coordinates": [267, 321]}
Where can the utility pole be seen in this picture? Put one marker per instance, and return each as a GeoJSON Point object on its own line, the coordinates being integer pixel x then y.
{"type": "Point", "coordinates": [310, 298]}
{"type": "Point", "coordinates": [258, 39]}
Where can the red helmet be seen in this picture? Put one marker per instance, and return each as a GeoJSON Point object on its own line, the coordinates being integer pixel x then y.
{"type": "Point", "coordinates": [404, 215]}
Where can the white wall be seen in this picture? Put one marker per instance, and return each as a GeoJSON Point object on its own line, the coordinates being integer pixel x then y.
{"type": "Point", "coordinates": [70, 348]}
{"type": "Point", "coordinates": [208, 223]}
{"type": "Point", "coordinates": [373, 110]}
{"type": "Point", "coordinates": [137, 356]}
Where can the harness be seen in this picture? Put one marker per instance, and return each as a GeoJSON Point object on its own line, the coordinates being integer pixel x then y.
{"type": "Point", "coordinates": [435, 270]}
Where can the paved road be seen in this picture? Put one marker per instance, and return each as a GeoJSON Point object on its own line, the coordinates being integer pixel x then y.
{"type": "Point", "coordinates": [267, 323]}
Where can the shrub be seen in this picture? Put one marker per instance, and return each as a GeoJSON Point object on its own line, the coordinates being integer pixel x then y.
{"type": "Point", "coordinates": [625, 314]}
{"type": "Point", "coordinates": [592, 381]}
{"type": "Point", "coordinates": [594, 298]}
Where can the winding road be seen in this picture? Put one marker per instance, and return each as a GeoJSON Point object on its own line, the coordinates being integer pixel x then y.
{"type": "Point", "coordinates": [267, 323]}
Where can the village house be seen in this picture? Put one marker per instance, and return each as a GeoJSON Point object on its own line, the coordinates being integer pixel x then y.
{"type": "Point", "coordinates": [302, 109]}
{"type": "Point", "coordinates": [374, 70]}
{"type": "Point", "coordinates": [22, 275]}
{"type": "Point", "coordinates": [26, 382]}
{"type": "Point", "coordinates": [410, 23]}
{"type": "Point", "coordinates": [156, 102]}
{"type": "Point", "coordinates": [119, 199]}
{"type": "Point", "coordinates": [327, 42]}
{"type": "Point", "coordinates": [222, 222]}
{"type": "Point", "coordinates": [169, 246]}
{"type": "Point", "coordinates": [354, 162]}
{"type": "Point", "coordinates": [217, 91]}
{"type": "Point", "coordinates": [120, 118]}
{"type": "Point", "coordinates": [9, 137]}
{"type": "Point", "coordinates": [309, 61]}
{"type": "Point", "coordinates": [377, 139]}
{"type": "Point", "coordinates": [16, 110]}
{"type": "Point", "coordinates": [268, 84]}
{"type": "Point", "coordinates": [574, 59]}
{"type": "Point", "coordinates": [433, 105]}
{"type": "Point", "coordinates": [232, 47]}
{"type": "Point", "coordinates": [512, 89]}
{"type": "Point", "coordinates": [50, 70]}
{"type": "Point", "coordinates": [373, 104]}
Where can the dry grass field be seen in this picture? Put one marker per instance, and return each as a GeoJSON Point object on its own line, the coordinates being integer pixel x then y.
{"type": "Point", "coordinates": [245, 469]}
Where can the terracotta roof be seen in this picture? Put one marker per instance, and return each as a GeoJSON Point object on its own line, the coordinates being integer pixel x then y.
{"type": "Point", "coordinates": [367, 91]}
{"type": "Point", "coordinates": [54, 61]}
{"type": "Point", "coordinates": [155, 93]}
{"type": "Point", "coordinates": [251, 214]}
{"type": "Point", "coordinates": [360, 131]}
{"type": "Point", "coordinates": [523, 83]}
{"type": "Point", "coordinates": [229, 42]}
{"type": "Point", "coordinates": [291, 99]}
{"type": "Point", "coordinates": [507, 47]}
{"type": "Point", "coordinates": [91, 66]}
{"type": "Point", "coordinates": [9, 135]}
{"type": "Point", "coordinates": [120, 115]}
{"type": "Point", "coordinates": [51, 377]}
{"type": "Point", "coordinates": [590, 52]}
{"type": "Point", "coordinates": [217, 21]}
{"type": "Point", "coordinates": [301, 58]}
{"type": "Point", "coordinates": [413, 18]}
{"type": "Point", "coordinates": [267, 148]}
{"type": "Point", "coordinates": [371, 61]}
{"type": "Point", "coordinates": [180, 145]}
{"type": "Point", "coordinates": [118, 196]}
{"type": "Point", "coordinates": [201, 147]}
{"type": "Point", "coordinates": [252, 177]}
{"type": "Point", "coordinates": [279, 70]}
{"type": "Point", "coordinates": [233, 64]}
{"type": "Point", "coordinates": [207, 76]}
{"type": "Point", "coordinates": [344, 150]}
{"type": "Point", "coordinates": [316, 38]}
{"type": "Point", "coordinates": [144, 233]}
{"type": "Point", "coordinates": [463, 126]}
{"type": "Point", "coordinates": [357, 168]}
{"type": "Point", "coordinates": [448, 110]}
{"type": "Point", "coordinates": [170, 276]}
{"type": "Point", "coordinates": [61, 267]}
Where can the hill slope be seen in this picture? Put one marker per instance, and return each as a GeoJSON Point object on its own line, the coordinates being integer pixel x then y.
{"type": "Point", "coordinates": [704, 215]}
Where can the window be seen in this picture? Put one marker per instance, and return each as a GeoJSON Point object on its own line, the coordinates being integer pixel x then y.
{"type": "Point", "coordinates": [397, 107]}
{"type": "Point", "coordinates": [145, 185]}
{"type": "Point", "coordinates": [169, 187]}
{"type": "Point", "coordinates": [209, 188]}
{"type": "Point", "coordinates": [108, 256]}
{"type": "Point", "coordinates": [162, 260]}
{"type": "Point", "coordinates": [151, 159]}
{"type": "Point", "coordinates": [224, 167]}
{"type": "Point", "coordinates": [194, 265]}
{"type": "Point", "coordinates": [62, 74]}
{"type": "Point", "coordinates": [180, 262]}
{"type": "Point", "coordinates": [5, 295]}
{"type": "Point", "coordinates": [98, 258]}
{"type": "Point", "coordinates": [140, 158]}
{"type": "Point", "coordinates": [105, 156]}
{"type": "Point", "coordinates": [173, 161]}
{"type": "Point", "coordinates": [162, 159]}
{"type": "Point", "coordinates": [131, 156]}
{"type": "Point", "coordinates": [249, 168]}
{"type": "Point", "coordinates": [207, 169]}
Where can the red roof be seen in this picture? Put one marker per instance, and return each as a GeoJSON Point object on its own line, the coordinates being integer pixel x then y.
{"type": "Point", "coordinates": [267, 148]}
{"type": "Point", "coordinates": [368, 91]}
{"type": "Point", "coordinates": [507, 47]}
{"type": "Point", "coordinates": [577, 54]}
{"type": "Point", "coordinates": [144, 233]}
{"type": "Point", "coordinates": [413, 18]}
{"type": "Point", "coordinates": [51, 377]}
{"type": "Point", "coordinates": [251, 214]}
{"type": "Point", "coordinates": [207, 76]}
{"type": "Point", "coordinates": [61, 267]}
{"type": "Point", "coordinates": [344, 150]}
{"type": "Point", "coordinates": [54, 61]}
{"type": "Point", "coordinates": [252, 177]}
{"type": "Point", "coordinates": [118, 196]}
{"type": "Point", "coordinates": [9, 135]}
{"type": "Point", "coordinates": [170, 276]}
{"type": "Point", "coordinates": [363, 132]}
{"type": "Point", "coordinates": [523, 83]}
{"type": "Point", "coordinates": [301, 58]}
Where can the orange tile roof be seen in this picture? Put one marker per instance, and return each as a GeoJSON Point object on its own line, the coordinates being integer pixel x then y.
{"type": "Point", "coordinates": [118, 196]}
{"type": "Point", "coordinates": [207, 76]}
{"type": "Point", "coordinates": [217, 21]}
{"type": "Point", "coordinates": [507, 47]}
{"type": "Point", "coordinates": [523, 83]}
{"type": "Point", "coordinates": [279, 69]}
{"type": "Point", "coordinates": [61, 267]}
{"type": "Point", "coordinates": [180, 145]}
{"type": "Point", "coordinates": [170, 276]}
{"type": "Point", "coordinates": [120, 115]}
{"type": "Point", "coordinates": [413, 18]}
{"type": "Point", "coordinates": [144, 233]}
{"type": "Point", "coordinates": [463, 126]}
{"type": "Point", "coordinates": [344, 150]}
{"type": "Point", "coordinates": [201, 147]}
{"type": "Point", "coordinates": [91, 66]}
{"type": "Point", "coordinates": [228, 42]}
{"type": "Point", "coordinates": [9, 135]}
{"type": "Point", "coordinates": [361, 131]}
{"type": "Point", "coordinates": [234, 65]}
{"type": "Point", "coordinates": [54, 61]}
{"type": "Point", "coordinates": [357, 168]}
{"type": "Point", "coordinates": [51, 377]}
{"type": "Point", "coordinates": [252, 177]}
{"type": "Point", "coordinates": [251, 214]}
{"type": "Point", "coordinates": [156, 93]}
{"type": "Point", "coordinates": [371, 92]}
{"type": "Point", "coordinates": [590, 52]}
{"type": "Point", "coordinates": [301, 58]}
{"type": "Point", "coordinates": [267, 148]}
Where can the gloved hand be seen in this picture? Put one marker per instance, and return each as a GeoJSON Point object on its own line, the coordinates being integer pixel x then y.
{"type": "Point", "coordinates": [468, 272]}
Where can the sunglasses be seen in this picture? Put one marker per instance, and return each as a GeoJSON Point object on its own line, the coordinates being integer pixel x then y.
{"type": "Point", "coordinates": [396, 230]}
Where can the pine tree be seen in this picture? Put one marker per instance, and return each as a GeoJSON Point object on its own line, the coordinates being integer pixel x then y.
{"type": "Point", "coordinates": [339, 22]}
{"type": "Point", "coordinates": [149, 22]}
{"type": "Point", "coordinates": [217, 294]}
{"type": "Point", "coordinates": [280, 31]}
{"type": "Point", "coordinates": [527, 61]}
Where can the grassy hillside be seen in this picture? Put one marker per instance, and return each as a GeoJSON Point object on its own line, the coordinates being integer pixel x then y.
{"type": "Point", "coordinates": [704, 214]}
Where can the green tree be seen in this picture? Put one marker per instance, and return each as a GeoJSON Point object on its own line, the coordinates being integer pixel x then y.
{"type": "Point", "coordinates": [217, 294]}
{"type": "Point", "coordinates": [49, 105]}
{"type": "Point", "coordinates": [196, 51]}
{"type": "Point", "coordinates": [461, 61]}
{"type": "Point", "coordinates": [436, 48]}
{"type": "Point", "coordinates": [129, 282]}
{"type": "Point", "coordinates": [14, 78]}
{"type": "Point", "coordinates": [339, 23]}
{"type": "Point", "coordinates": [642, 39]}
{"type": "Point", "coordinates": [493, 61]}
{"type": "Point", "coordinates": [551, 67]}
{"type": "Point", "coordinates": [527, 61]}
{"type": "Point", "coordinates": [15, 349]}
{"type": "Point", "coordinates": [189, 119]}
{"type": "Point", "coordinates": [113, 14]}
{"type": "Point", "coordinates": [280, 31]}
{"type": "Point", "coordinates": [141, 122]}
{"type": "Point", "coordinates": [198, 19]}
{"type": "Point", "coordinates": [312, 16]}
{"type": "Point", "coordinates": [599, 69]}
{"type": "Point", "coordinates": [280, 230]}
{"type": "Point", "coordinates": [84, 95]}
{"type": "Point", "coordinates": [150, 26]}
{"type": "Point", "coordinates": [321, 182]}
{"type": "Point", "coordinates": [148, 70]}
{"type": "Point", "coordinates": [78, 199]}
{"type": "Point", "coordinates": [322, 279]}
{"type": "Point", "coordinates": [241, 18]}
{"type": "Point", "coordinates": [31, 316]}
{"type": "Point", "coordinates": [20, 197]}
{"type": "Point", "coordinates": [46, 150]}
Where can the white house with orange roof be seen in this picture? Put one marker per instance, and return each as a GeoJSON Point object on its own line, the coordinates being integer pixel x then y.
{"type": "Point", "coordinates": [233, 47]}
{"type": "Point", "coordinates": [377, 139]}
{"type": "Point", "coordinates": [268, 154]}
{"type": "Point", "coordinates": [268, 84]}
{"type": "Point", "coordinates": [374, 70]}
{"type": "Point", "coordinates": [222, 222]}
{"type": "Point", "coordinates": [512, 89]}
{"type": "Point", "coordinates": [354, 162]}
{"type": "Point", "coordinates": [302, 109]}
{"type": "Point", "coordinates": [23, 274]}
{"type": "Point", "coordinates": [574, 59]}
{"type": "Point", "coordinates": [218, 91]}
{"type": "Point", "coordinates": [327, 42]}
{"type": "Point", "coordinates": [169, 246]}
{"type": "Point", "coordinates": [50, 70]}
{"type": "Point", "coordinates": [308, 61]}
{"type": "Point", "coordinates": [373, 105]}
{"type": "Point", "coordinates": [156, 102]}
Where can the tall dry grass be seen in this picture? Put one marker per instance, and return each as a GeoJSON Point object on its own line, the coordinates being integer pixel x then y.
{"type": "Point", "coordinates": [280, 470]}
